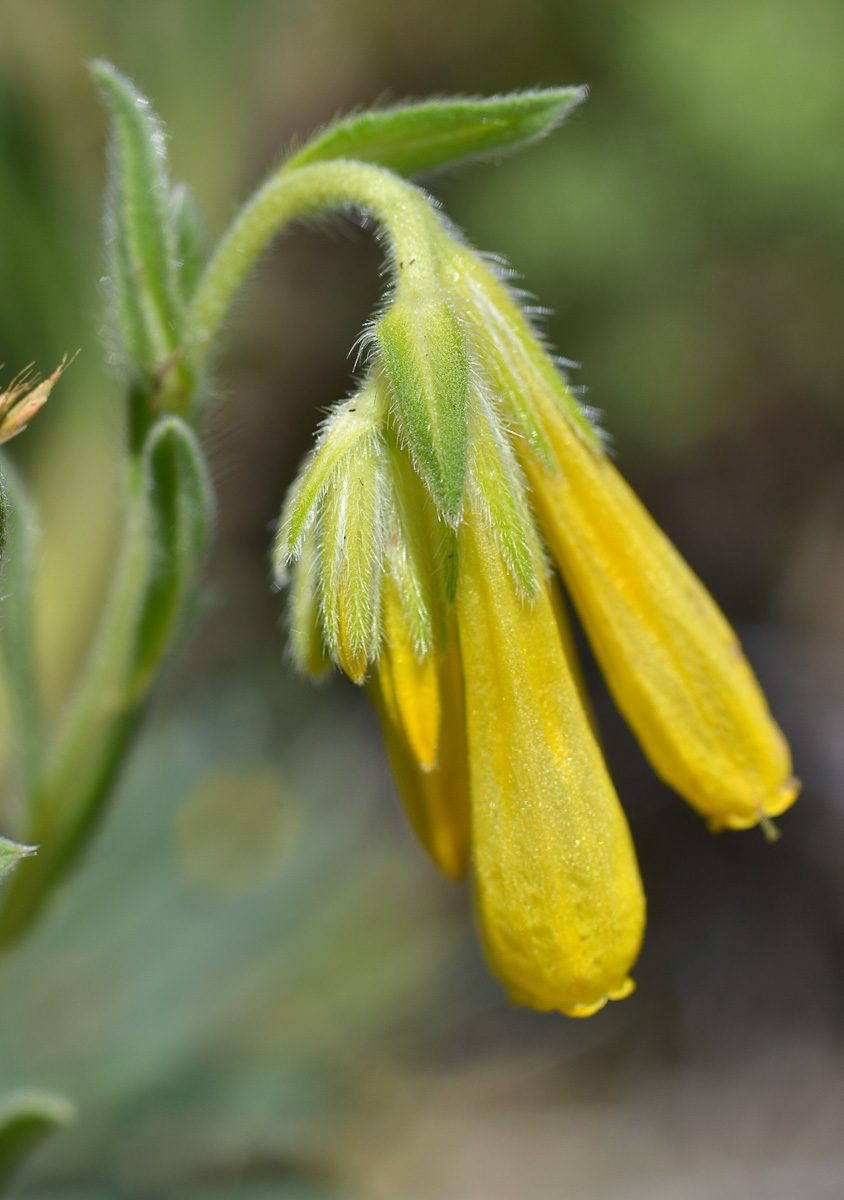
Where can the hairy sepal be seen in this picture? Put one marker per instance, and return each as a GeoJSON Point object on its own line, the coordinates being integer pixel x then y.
{"type": "Point", "coordinates": [424, 359]}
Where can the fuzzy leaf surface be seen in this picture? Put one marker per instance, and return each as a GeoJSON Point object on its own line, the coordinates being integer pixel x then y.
{"type": "Point", "coordinates": [413, 139]}
{"type": "Point", "coordinates": [425, 360]}
{"type": "Point", "coordinates": [179, 518]}
{"type": "Point", "coordinates": [139, 222]}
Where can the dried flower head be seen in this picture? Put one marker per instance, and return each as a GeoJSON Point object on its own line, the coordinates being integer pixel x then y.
{"type": "Point", "coordinates": [24, 396]}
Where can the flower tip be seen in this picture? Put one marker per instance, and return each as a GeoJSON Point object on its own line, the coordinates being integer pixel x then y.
{"type": "Point", "coordinates": [782, 799]}
{"type": "Point", "coordinates": [354, 664]}
{"type": "Point", "coordinates": [581, 1009]}
{"type": "Point", "coordinates": [786, 796]}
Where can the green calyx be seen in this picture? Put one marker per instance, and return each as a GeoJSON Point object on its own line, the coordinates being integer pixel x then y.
{"type": "Point", "coordinates": [424, 358]}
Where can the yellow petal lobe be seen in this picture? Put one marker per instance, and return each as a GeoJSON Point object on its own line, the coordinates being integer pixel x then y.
{"type": "Point", "coordinates": [671, 661]}
{"type": "Point", "coordinates": [410, 685]}
{"type": "Point", "coordinates": [435, 798]}
{"type": "Point", "coordinates": [559, 897]}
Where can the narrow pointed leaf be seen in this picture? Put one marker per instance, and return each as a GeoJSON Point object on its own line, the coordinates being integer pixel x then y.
{"type": "Point", "coordinates": [180, 507]}
{"type": "Point", "coordinates": [413, 139]}
{"type": "Point", "coordinates": [192, 244]}
{"type": "Point", "coordinates": [139, 218]}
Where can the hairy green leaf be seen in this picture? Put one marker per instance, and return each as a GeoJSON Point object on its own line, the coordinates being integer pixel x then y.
{"type": "Point", "coordinates": [413, 139]}
{"type": "Point", "coordinates": [139, 219]}
{"type": "Point", "coordinates": [191, 238]}
{"type": "Point", "coordinates": [179, 516]}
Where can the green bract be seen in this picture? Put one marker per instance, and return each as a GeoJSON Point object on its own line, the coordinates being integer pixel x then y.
{"type": "Point", "coordinates": [424, 359]}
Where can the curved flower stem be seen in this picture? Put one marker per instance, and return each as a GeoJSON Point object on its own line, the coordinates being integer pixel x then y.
{"type": "Point", "coordinates": [167, 523]}
{"type": "Point", "coordinates": [76, 774]}
{"type": "Point", "coordinates": [157, 571]}
{"type": "Point", "coordinates": [403, 212]}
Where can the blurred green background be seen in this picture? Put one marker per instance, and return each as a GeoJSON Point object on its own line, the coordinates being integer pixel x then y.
{"type": "Point", "coordinates": [256, 985]}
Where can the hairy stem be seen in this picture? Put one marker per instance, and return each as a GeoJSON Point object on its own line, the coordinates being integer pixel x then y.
{"type": "Point", "coordinates": [402, 211]}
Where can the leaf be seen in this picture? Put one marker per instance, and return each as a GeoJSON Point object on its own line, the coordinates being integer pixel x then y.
{"type": "Point", "coordinates": [167, 530]}
{"type": "Point", "coordinates": [10, 855]}
{"type": "Point", "coordinates": [179, 520]}
{"type": "Point", "coordinates": [17, 634]}
{"type": "Point", "coordinates": [26, 1118]}
{"type": "Point", "coordinates": [412, 139]}
{"type": "Point", "coordinates": [191, 238]}
{"type": "Point", "coordinates": [139, 224]}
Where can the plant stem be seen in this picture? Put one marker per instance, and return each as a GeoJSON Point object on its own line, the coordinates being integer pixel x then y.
{"type": "Point", "coordinates": [88, 747]}
{"type": "Point", "coordinates": [77, 776]}
{"type": "Point", "coordinates": [402, 210]}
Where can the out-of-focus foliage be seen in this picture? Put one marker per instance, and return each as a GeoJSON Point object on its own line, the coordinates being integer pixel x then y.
{"type": "Point", "coordinates": [215, 987]}
{"type": "Point", "coordinates": [302, 1021]}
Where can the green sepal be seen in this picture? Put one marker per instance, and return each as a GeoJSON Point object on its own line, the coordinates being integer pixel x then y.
{"type": "Point", "coordinates": [449, 561]}
{"type": "Point", "coordinates": [502, 492]}
{"type": "Point", "coordinates": [17, 632]}
{"type": "Point", "coordinates": [424, 356]}
{"type": "Point", "coordinates": [351, 533]}
{"type": "Point", "coordinates": [180, 508]}
{"type": "Point", "coordinates": [353, 421]}
{"type": "Point", "coordinates": [192, 244]}
{"type": "Point", "coordinates": [413, 139]}
{"type": "Point", "coordinates": [410, 553]}
{"type": "Point", "coordinates": [140, 229]}
{"type": "Point", "coordinates": [307, 643]}
{"type": "Point", "coordinates": [10, 855]}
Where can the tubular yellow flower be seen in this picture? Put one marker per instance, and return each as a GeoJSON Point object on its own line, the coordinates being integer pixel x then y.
{"type": "Point", "coordinates": [418, 530]}
{"type": "Point", "coordinates": [410, 685]}
{"type": "Point", "coordinates": [558, 891]}
{"type": "Point", "coordinates": [421, 706]}
{"type": "Point", "coordinates": [673, 664]}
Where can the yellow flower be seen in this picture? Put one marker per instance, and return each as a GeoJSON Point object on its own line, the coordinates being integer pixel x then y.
{"type": "Point", "coordinates": [417, 531]}
{"type": "Point", "coordinates": [673, 664]}
{"type": "Point", "coordinates": [558, 892]}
